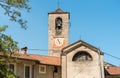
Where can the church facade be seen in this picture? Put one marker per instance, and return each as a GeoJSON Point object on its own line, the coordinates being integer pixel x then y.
{"type": "Point", "coordinates": [76, 60]}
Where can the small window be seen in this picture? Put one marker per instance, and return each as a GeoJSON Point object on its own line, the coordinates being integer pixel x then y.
{"type": "Point", "coordinates": [13, 67]}
{"type": "Point", "coordinates": [27, 71]}
{"type": "Point", "coordinates": [82, 56]}
{"type": "Point", "coordinates": [42, 69]}
{"type": "Point", "coordinates": [55, 69]}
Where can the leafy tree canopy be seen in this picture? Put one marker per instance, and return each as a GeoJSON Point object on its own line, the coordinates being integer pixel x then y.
{"type": "Point", "coordinates": [12, 9]}
{"type": "Point", "coordinates": [7, 46]}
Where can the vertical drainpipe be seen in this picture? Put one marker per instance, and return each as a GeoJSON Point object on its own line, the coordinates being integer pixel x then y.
{"type": "Point", "coordinates": [100, 63]}
{"type": "Point", "coordinates": [66, 65]}
{"type": "Point", "coordinates": [61, 66]}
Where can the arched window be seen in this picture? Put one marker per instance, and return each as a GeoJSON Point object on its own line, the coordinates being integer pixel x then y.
{"type": "Point", "coordinates": [58, 25]}
{"type": "Point", "coordinates": [82, 56]}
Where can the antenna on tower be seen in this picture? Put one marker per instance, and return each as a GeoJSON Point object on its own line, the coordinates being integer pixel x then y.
{"type": "Point", "coordinates": [80, 37]}
{"type": "Point", "coordinates": [58, 4]}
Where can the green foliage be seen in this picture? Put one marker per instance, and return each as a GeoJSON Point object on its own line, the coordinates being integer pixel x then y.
{"type": "Point", "coordinates": [6, 72]}
{"type": "Point", "coordinates": [3, 28]}
{"type": "Point", "coordinates": [7, 46]}
{"type": "Point", "coordinates": [12, 9]}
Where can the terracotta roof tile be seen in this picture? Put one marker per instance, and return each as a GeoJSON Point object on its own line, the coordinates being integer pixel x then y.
{"type": "Point", "coordinates": [50, 60]}
{"type": "Point", "coordinates": [24, 56]}
{"type": "Point", "coordinates": [113, 70]}
{"type": "Point", "coordinates": [47, 59]}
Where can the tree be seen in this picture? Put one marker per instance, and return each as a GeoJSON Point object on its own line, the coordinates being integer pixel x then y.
{"type": "Point", "coordinates": [7, 44]}
{"type": "Point", "coordinates": [12, 8]}
{"type": "Point", "coordinates": [7, 47]}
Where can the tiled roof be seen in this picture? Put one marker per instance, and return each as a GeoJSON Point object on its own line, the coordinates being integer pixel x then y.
{"type": "Point", "coordinates": [49, 60]}
{"type": "Point", "coordinates": [24, 57]}
{"type": "Point", "coordinates": [113, 70]}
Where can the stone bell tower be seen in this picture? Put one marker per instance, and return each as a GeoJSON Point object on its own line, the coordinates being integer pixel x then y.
{"type": "Point", "coordinates": [58, 31]}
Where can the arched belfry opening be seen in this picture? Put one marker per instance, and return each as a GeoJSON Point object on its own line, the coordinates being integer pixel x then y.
{"type": "Point", "coordinates": [58, 25]}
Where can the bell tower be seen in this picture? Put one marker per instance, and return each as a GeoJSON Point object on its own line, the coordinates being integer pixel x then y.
{"type": "Point", "coordinates": [58, 31]}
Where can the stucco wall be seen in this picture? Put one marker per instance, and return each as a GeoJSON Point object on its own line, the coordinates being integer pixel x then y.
{"type": "Point", "coordinates": [83, 69]}
{"type": "Point", "coordinates": [19, 68]}
{"type": "Point", "coordinates": [49, 72]}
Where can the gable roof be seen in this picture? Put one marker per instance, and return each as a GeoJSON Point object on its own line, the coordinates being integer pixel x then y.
{"type": "Point", "coordinates": [113, 70]}
{"type": "Point", "coordinates": [40, 59]}
{"type": "Point", "coordinates": [77, 44]}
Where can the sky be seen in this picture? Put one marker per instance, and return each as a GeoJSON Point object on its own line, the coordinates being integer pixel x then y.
{"type": "Point", "coordinates": [96, 22]}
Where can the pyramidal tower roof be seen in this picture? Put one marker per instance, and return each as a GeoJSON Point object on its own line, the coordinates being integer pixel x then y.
{"type": "Point", "coordinates": [58, 11]}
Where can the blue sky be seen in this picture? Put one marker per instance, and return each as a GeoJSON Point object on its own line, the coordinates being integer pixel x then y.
{"type": "Point", "coordinates": [97, 22]}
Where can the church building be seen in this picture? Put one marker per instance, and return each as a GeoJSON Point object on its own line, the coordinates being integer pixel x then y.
{"type": "Point", "coordinates": [77, 60]}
